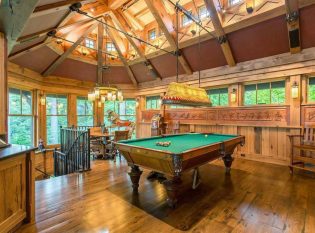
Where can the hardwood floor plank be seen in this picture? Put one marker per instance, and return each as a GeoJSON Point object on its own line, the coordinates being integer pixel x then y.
{"type": "Point", "coordinates": [257, 197]}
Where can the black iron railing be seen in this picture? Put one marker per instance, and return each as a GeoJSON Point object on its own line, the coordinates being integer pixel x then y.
{"type": "Point", "coordinates": [74, 153]}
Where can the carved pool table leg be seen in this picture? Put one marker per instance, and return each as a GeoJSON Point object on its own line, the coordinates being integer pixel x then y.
{"type": "Point", "coordinates": [172, 187]}
{"type": "Point", "coordinates": [135, 174]}
{"type": "Point", "coordinates": [227, 158]}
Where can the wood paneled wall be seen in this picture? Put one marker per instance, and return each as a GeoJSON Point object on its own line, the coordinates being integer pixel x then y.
{"type": "Point", "coordinates": [265, 127]}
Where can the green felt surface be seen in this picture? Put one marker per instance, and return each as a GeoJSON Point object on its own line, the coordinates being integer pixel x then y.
{"type": "Point", "coordinates": [179, 143]}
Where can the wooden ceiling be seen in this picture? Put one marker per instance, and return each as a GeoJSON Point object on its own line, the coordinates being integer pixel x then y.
{"type": "Point", "coordinates": [237, 34]}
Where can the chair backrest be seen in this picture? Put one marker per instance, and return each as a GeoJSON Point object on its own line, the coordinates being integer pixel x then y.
{"type": "Point", "coordinates": [308, 132]}
{"type": "Point", "coordinates": [121, 135]}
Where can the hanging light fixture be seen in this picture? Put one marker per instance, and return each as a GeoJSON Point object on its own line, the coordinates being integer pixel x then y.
{"type": "Point", "coordinates": [102, 92]}
{"type": "Point", "coordinates": [295, 90]}
{"type": "Point", "coordinates": [179, 93]}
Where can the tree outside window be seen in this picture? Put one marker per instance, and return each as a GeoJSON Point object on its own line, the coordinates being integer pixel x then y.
{"type": "Point", "coordinates": [265, 93]}
{"type": "Point", "coordinates": [153, 102]}
{"type": "Point", "coordinates": [56, 116]}
{"type": "Point", "coordinates": [20, 119]}
{"type": "Point", "coordinates": [311, 90]}
{"type": "Point", "coordinates": [219, 97]}
{"type": "Point", "coordinates": [84, 112]}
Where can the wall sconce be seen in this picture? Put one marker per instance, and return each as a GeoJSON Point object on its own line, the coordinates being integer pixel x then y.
{"type": "Point", "coordinates": [233, 95]}
{"type": "Point", "coordinates": [137, 102]}
{"type": "Point", "coordinates": [103, 99]}
{"type": "Point", "coordinates": [42, 100]}
{"type": "Point", "coordinates": [295, 90]}
{"type": "Point", "coordinates": [99, 104]}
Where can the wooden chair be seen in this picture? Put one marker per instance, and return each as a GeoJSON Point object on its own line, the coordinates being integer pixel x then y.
{"type": "Point", "coordinates": [118, 135]}
{"type": "Point", "coordinates": [305, 144]}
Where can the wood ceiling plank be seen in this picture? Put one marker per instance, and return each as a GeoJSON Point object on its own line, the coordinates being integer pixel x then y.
{"type": "Point", "coordinates": [63, 57]}
{"type": "Point", "coordinates": [124, 26]}
{"type": "Point", "coordinates": [225, 46]}
{"type": "Point", "coordinates": [166, 25]}
{"type": "Point", "coordinates": [115, 4]}
{"type": "Point", "coordinates": [14, 17]}
{"type": "Point", "coordinates": [121, 56]}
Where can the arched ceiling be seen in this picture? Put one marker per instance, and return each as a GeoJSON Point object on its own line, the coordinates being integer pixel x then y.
{"type": "Point", "coordinates": [247, 36]}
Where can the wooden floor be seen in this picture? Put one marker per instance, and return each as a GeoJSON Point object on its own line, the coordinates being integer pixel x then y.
{"type": "Point", "coordinates": [257, 197]}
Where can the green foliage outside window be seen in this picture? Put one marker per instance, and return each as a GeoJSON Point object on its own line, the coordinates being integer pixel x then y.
{"type": "Point", "coordinates": [219, 97]}
{"type": "Point", "coordinates": [56, 116]}
{"type": "Point", "coordinates": [311, 90]}
{"type": "Point", "coordinates": [84, 112]}
{"type": "Point", "coordinates": [20, 119]}
{"type": "Point", "coordinates": [153, 102]}
{"type": "Point", "coordinates": [265, 93]}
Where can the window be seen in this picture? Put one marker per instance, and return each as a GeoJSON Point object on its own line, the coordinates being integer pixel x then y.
{"type": "Point", "coordinates": [265, 93]}
{"type": "Point", "coordinates": [84, 112]}
{"type": "Point", "coordinates": [89, 43]}
{"type": "Point", "coordinates": [152, 34]}
{"type": "Point", "coordinates": [110, 47]}
{"type": "Point", "coordinates": [56, 116]}
{"type": "Point", "coordinates": [203, 12]}
{"type": "Point", "coordinates": [186, 20]}
{"type": "Point", "coordinates": [234, 2]}
{"type": "Point", "coordinates": [20, 122]}
{"type": "Point", "coordinates": [219, 97]}
{"type": "Point", "coordinates": [311, 90]}
{"type": "Point", "coordinates": [153, 102]}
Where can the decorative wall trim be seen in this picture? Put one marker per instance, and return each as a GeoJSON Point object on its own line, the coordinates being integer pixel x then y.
{"type": "Point", "coordinates": [308, 114]}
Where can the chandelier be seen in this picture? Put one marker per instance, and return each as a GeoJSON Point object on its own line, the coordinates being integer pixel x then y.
{"type": "Point", "coordinates": [103, 93]}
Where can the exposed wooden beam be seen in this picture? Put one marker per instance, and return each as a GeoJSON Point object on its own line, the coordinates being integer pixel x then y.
{"type": "Point", "coordinates": [53, 7]}
{"type": "Point", "coordinates": [225, 46]}
{"type": "Point", "coordinates": [166, 25]}
{"type": "Point", "coordinates": [293, 24]}
{"type": "Point", "coordinates": [13, 18]}
{"type": "Point", "coordinates": [122, 58]}
{"type": "Point", "coordinates": [63, 57]}
{"type": "Point", "coordinates": [124, 26]}
{"type": "Point", "coordinates": [100, 46]}
{"type": "Point", "coordinates": [129, 17]}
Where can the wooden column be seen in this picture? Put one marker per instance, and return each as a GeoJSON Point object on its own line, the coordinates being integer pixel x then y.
{"type": "Point", "coordinates": [140, 107]}
{"type": "Point", "coordinates": [295, 104]}
{"type": "Point", "coordinates": [72, 110]}
{"type": "Point", "coordinates": [98, 113]}
{"type": "Point", "coordinates": [3, 85]}
{"type": "Point", "coordinates": [238, 90]}
{"type": "Point", "coordinates": [41, 117]}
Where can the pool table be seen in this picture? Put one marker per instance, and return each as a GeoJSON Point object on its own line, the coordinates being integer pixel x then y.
{"type": "Point", "coordinates": [186, 152]}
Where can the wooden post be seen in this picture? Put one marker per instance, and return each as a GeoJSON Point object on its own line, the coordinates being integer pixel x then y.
{"type": "Point", "coordinates": [3, 86]}
{"type": "Point", "coordinates": [140, 107]}
{"type": "Point", "coordinates": [72, 109]}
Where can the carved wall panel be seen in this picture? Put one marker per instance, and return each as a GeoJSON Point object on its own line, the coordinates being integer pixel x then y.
{"type": "Point", "coordinates": [308, 115]}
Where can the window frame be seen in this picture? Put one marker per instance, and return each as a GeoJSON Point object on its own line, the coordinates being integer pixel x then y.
{"type": "Point", "coordinates": [153, 30]}
{"type": "Point", "coordinates": [270, 84]}
{"type": "Point", "coordinates": [85, 110]}
{"type": "Point", "coordinates": [88, 42]}
{"type": "Point", "coordinates": [31, 115]}
{"type": "Point", "coordinates": [47, 115]}
{"type": "Point", "coordinates": [189, 22]}
{"type": "Point", "coordinates": [219, 88]}
{"type": "Point", "coordinates": [112, 47]}
{"type": "Point", "coordinates": [231, 3]}
{"type": "Point", "coordinates": [207, 12]}
{"type": "Point", "coordinates": [156, 98]}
